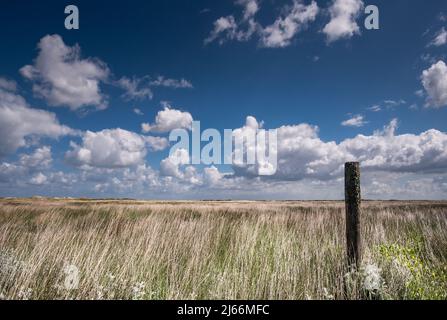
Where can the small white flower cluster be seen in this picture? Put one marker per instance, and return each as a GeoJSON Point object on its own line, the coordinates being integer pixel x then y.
{"type": "Point", "coordinates": [68, 281]}
{"type": "Point", "coordinates": [108, 289]}
{"type": "Point", "coordinates": [138, 290]}
{"type": "Point", "coordinates": [372, 280]}
{"type": "Point", "coordinates": [25, 293]}
{"type": "Point", "coordinates": [71, 281]}
{"type": "Point", "coordinates": [100, 293]}
{"type": "Point", "coordinates": [327, 295]}
{"type": "Point", "coordinates": [9, 264]}
{"type": "Point", "coordinates": [368, 279]}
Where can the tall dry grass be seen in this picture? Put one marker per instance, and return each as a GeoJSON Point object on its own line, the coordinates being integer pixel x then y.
{"type": "Point", "coordinates": [219, 250]}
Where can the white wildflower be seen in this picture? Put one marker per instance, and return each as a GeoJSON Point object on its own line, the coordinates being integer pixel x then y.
{"type": "Point", "coordinates": [25, 293]}
{"type": "Point", "coordinates": [99, 293]}
{"type": "Point", "coordinates": [372, 278]}
{"type": "Point", "coordinates": [111, 276]}
{"type": "Point", "coordinates": [9, 264]}
{"type": "Point", "coordinates": [327, 295]}
{"type": "Point", "coordinates": [138, 291]}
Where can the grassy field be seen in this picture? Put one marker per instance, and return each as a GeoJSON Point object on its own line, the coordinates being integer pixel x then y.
{"type": "Point", "coordinates": [218, 250]}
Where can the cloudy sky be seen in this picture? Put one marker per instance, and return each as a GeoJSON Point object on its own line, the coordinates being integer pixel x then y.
{"type": "Point", "coordinates": [87, 112]}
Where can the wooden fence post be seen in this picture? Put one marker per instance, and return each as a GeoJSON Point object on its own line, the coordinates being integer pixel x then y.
{"type": "Point", "coordinates": [353, 211]}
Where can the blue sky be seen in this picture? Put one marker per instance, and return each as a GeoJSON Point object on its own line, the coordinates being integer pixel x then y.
{"type": "Point", "coordinates": [315, 76]}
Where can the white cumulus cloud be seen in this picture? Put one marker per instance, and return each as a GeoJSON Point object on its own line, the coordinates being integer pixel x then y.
{"type": "Point", "coordinates": [112, 148]}
{"type": "Point", "coordinates": [62, 78]}
{"type": "Point", "coordinates": [212, 175]}
{"type": "Point", "coordinates": [156, 143]}
{"type": "Point", "coordinates": [21, 125]}
{"type": "Point", "coordinates": [303, 154]}
{"type": "Point", "coordinates": [169, 119]}
{"type": "Point", "coordinates": [8, 85]}
{"type": "Point", "coordinates": [434, 81]}
{"type": "Point", "coordinates": [39, 179]}
{"type": "Point", "coordinates": [40, 158]}
{"type": "Point", "coordinates": [170, 166]}
{"type": "Point", "coordinates": [343, 19]}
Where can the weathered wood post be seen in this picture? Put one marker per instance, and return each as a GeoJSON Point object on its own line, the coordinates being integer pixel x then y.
{"type": "Point", "coordinates": [353, 208]}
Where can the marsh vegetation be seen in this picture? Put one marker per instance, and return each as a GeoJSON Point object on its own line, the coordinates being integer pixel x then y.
{"type": "Point", "coordinates": [219, 250]}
